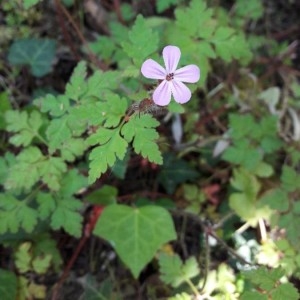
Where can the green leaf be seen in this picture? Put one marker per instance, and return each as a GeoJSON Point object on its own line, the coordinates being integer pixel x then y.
{"type": "Point", "coordinates": [46, 204]}
{"type": "Point", "coordinates": [32, 165]}
{"type": "Point", "coordinates": [29, 3]}
{"type": "Point", "coordinates": [24, 126]}
{"type": "Point", "coordinates": [174, 271]}
{"type": "Point", "coordinates": [77, 86]}
{"type": "Point", "coordinates": [285, 291]}
{"type": "Point", "coordinates": [198, 16]}
{"type": "Point", "coordinates": [66, 216]}
{"type": "Point", "coordinates": [55, 106]}
{"type": "Point", "coordinates": [57, 132]}
{"type": "Point", "coordinates": [106, 195]}
{"type": "Point", "coordinates": [72, 183]}
{"type": "Point", "coordinates": [8, 287]}
{"type": "Point", "coordinates": [51, 171]}
{"type": "Point", "coordinates": [26, 166]}
{"type": "Point", "coordinates": [146, 229]}
{"type": "Point", "coordinates": [141, 131]}
{"type": "Point", "coordinates": [289, 179]}
{"type": "Point", "coordinates": [4, 106]}
{"type": "Point", "coordinates": [276, 199]}
{"type": "Point", "coordinates": [101, 82]}
{"type": "Point", "coordinates": [264, 278]}
{"type": "Point", "coordinates": [72, 148]}
{"type": "Point", "coordinates": [245, 202]}
{"type": "Point", "coordinates": [175, 171]}
{"type": "Point", "coordinates": [253, 295]}
{"type": "Point", "coordinates": [142, 41]}
{"type": "Point", "coordinates": [15, 214]}
{"type": "Point", "coordinates": [37, 53]}
{"type": "Point", "coordinates": [162, 5]}
{"type": "Point", "coordinates": [23, 257]}
{"type": "Point", "coordinates": [41, 264]}
{"type": "Point", "coordinates": [113, 146]}
{"type": "Point", "coordinates": [113, 110]}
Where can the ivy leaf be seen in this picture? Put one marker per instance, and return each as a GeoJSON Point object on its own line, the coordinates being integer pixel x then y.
{"type": "Point", "coordinates": [142, 41]}
{"type": "Point", "coordinates": [175, 171]}
{"type": "Point", "coordinates": [66, 216]}
{"type": "Point", "coordinates": [24, 126]}
{"type": "Point", "coordinates": [146, 230]}
{"type": "Point", "coordinates": [8, 287]}
{"type": "Point", "coordinates": [37, 53]}
{"type": "Point", "coordinates": [112, 146]}
{"type": "Point", "coordinates": [174, 271]}
{"type": "Point", "coordinates": [141, 131]}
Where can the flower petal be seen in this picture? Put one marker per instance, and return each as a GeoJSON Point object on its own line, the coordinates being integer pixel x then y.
{"type": "Point", "coordinates": [162, 94]}
{"type": "Point", "coordinates": [190, 73]}
{"type": "Point", "coordinates": [171, 55]}
{"type": "Point", "coordinates": [151, 69]}
{"type": "Point", "coordinates": [180, 91]}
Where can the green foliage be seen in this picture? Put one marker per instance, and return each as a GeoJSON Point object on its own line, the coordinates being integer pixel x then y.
{"type": "Point", "coordinates": [175, 171]}
{"type": "Point", "coordinates": [269, 286]}
{"type": "Point", "coordinates": [38, 54]}
{"type": "Point", "coordinates": [245, 200]}
{"type": "Point", "coordinates": [142, 41]}
{"type": "Point", "coordinates": [162, 5]}
{"type": "Point", "coordinates": [174, 271]}
{"type": "Point", "coordinates": [143, 236]}
{"type": "Point", "coordinates": [216, 40]}
{"type": "Point", "coordinates": [8, 287]}
{"type": "Point", "coordinates": [251, 141]}
{"type": "Point", "coordinates": [26, 127]}
{"type": "Point", "coordinates": [141, 130]}
{"type": "Point", "coordinates": [29, 3]}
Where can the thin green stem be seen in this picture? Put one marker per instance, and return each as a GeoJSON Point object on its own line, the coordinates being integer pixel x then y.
{"type": "Point", "coordinates": [192, 286]}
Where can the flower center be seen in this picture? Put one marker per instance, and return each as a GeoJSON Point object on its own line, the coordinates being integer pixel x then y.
{"type": "Point", "coordinates": [170, 77]}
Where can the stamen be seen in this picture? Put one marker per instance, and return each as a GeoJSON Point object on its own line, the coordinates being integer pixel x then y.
{"type": "Point", "coordinates": [170, 77]}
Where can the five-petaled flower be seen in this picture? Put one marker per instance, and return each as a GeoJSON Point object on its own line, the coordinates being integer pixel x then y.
{"type": "Point", "coordinates": [171, 79]}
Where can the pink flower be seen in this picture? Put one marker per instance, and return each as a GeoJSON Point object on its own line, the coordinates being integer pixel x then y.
{"type": "Point", "coordinates": [171, 78]}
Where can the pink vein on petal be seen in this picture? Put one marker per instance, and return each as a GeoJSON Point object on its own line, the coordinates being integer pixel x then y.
{"type": "Point", "coordinates": [151, 69]}
{"type": "Point", "coordinates": [162, 94]}
{"type": "Point", "coordinates": [180, 91]}
{"type": "Point", "coordinates": [190, 74]}
{"type": "Point", "coordinates": [171, 55]}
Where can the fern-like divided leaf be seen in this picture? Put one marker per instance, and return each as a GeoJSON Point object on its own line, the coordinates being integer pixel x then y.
{"type": "Point", "coordinates": [112, 146]}
{"type": "Point", "coordinates": [140, 130]}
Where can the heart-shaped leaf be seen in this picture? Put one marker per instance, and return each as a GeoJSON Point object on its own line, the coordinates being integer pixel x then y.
{"type": "Point", "coordinates": [37, 53]}
{"type": "Point", "coordinates": [135, 233]}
